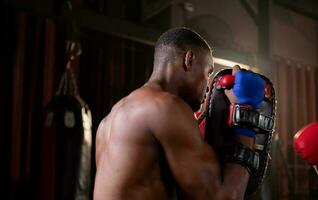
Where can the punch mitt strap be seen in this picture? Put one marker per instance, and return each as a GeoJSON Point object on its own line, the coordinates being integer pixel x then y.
{"type": "Point", "coordinates": [245, 116]}
{"type": "Point", "coordinates": [240, 154]}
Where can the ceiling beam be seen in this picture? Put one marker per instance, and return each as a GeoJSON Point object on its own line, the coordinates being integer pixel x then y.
{"type": "Point", "coordinates": [117, 27]}
{"type": "Point", "coordinates": [152, 8]}
{"type": "Point", "coordinates": [47, 7]}
{"type": "Point", "coordinates": [308, 8]}
{"type": "Point", "coordinates": [91, 20]}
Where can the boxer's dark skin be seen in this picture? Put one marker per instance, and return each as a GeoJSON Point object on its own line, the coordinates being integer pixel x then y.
{"type": "Point", "coordinates": [149, 144]}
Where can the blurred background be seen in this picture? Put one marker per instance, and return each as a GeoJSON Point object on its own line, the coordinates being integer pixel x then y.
{"type": "Point", "coordinates": [278, 38]}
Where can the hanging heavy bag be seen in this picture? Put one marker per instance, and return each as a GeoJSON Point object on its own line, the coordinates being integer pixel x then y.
{"type": "Point", "coordinates": [67, 143]}
{"type": "Point", "coordinates": [219, 120]}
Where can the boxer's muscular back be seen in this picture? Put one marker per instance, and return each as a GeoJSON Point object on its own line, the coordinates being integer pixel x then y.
{"type": "Point", "coordinates": [130, 162]}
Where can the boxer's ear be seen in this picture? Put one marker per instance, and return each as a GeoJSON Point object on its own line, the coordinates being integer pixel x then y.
{"type": "Point", "coordinates": [188, 60]}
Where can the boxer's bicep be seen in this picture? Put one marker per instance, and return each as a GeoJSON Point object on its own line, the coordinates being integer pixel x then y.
{"type": "Point", "coordinates": [192, 162]}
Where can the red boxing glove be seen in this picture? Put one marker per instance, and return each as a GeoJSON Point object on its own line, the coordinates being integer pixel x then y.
{"type": "Point", "coordinates": [225, 82]}
{"type": "Point", "coordinates": [306, 143]}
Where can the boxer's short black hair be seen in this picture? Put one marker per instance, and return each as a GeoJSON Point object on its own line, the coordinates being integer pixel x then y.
{"type": "Point", "coordinates": [181, 38]}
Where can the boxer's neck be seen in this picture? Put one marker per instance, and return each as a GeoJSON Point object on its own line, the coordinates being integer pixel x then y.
{"type": "Point", "coordinates": [167, 77]}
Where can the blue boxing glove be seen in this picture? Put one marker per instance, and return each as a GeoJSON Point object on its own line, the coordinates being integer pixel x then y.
{"type": "Point", "coordinates": [249, 90]}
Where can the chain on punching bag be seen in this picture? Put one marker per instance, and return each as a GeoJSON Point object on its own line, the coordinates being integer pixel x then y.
{"type": "Point", "coordinates": [67, 140]}
{"type": "Point", "coordinates": [68, 123]}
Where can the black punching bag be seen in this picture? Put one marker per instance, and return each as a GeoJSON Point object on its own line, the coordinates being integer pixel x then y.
{"type": "Point", "coordinates": [67, 144]}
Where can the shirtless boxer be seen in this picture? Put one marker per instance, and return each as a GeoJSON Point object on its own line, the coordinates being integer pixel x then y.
{"type": "Point", "coordinates": [149, 145]}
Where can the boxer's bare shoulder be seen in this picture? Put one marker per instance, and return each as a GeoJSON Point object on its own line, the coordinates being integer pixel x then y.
{"type": "Point", "coordinates": [130, 161]}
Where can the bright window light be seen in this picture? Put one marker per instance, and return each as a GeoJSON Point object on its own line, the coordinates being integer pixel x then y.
{"type": "Point", "coordinates": [229, 63]}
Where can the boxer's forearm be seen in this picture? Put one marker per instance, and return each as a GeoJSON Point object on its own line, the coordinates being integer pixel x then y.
{"type": "Point", "coordinates": [235, 180]}
{"type": "Point", "coordinates": [235, 176]}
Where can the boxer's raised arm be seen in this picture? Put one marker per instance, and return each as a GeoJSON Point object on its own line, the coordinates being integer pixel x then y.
{"type": "Point", "coordinates": [192, 162]}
